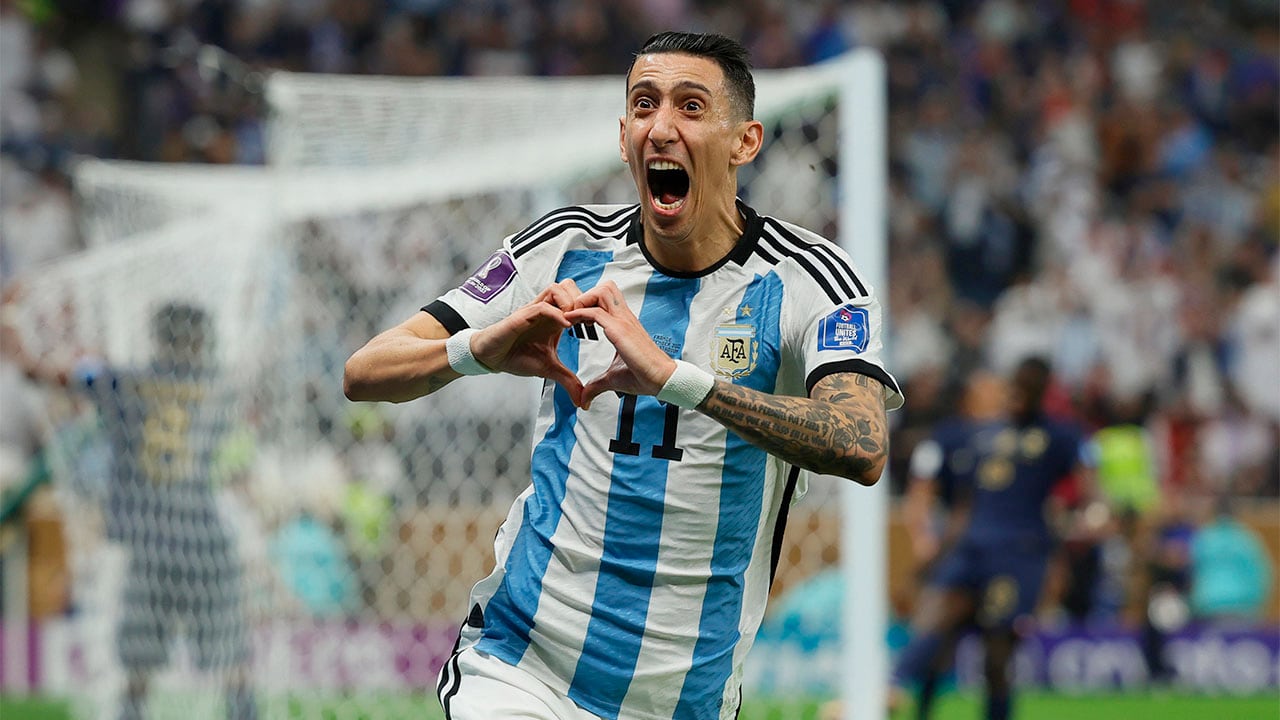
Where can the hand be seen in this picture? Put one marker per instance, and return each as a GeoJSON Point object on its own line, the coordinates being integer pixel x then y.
{"type": "Point", "coordinates": [524, 343]}
{"type": "Point", "coordinates": [639, 367]}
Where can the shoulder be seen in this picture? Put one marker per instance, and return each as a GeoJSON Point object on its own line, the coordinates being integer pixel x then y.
{"type": "Point", "coordinates": [795, 249]}
{"type": "Point", "coordinates": [581, 223]}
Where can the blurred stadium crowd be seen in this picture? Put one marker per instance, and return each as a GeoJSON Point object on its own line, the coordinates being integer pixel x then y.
{"type": "Point", "coordinates": [1093, 181]}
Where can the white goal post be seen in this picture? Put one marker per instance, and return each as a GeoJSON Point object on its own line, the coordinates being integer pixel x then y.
{"type": "Point", "coordinates": [379, 194]}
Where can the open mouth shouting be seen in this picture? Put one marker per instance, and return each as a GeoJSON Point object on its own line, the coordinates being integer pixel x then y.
{"type": "Point", "coordinates": [668, 186]}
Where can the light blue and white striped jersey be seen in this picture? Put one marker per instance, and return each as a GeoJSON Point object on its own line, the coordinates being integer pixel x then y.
{"type": "Point", "coordinates": [632, 574]}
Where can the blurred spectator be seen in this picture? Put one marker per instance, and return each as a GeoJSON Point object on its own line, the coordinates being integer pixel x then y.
{"type": "Point", "coordinates": [1166, 583]}
{"type": "Point", "coordinates": [313, 565]}
{"type": "Point", "coordinates": [1113, 587]}
{"type": "Point", "coordinates": [1230, 572]}
{"type": "Point", "coordinates": [377, 477]}
{"type": "Point", "coordinates": [1255, 335]}
{"type": "Point", "coordinates": [1236, 449]}
{"type": "Point", "coordinates": [37, 223]}
{"type": "Point", "coordinates": [21, 431]}
{"type": "Point", "coordinates": [1126, 463]}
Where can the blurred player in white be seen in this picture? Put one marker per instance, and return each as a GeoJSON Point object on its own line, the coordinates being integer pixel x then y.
{"type": "Point", "coordinates": [725, 351]}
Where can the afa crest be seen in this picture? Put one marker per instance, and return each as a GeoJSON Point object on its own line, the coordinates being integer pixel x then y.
{"type": "Point", "coordinates": [735, 350]}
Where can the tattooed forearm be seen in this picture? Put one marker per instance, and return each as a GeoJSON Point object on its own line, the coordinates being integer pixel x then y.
{"type": "Point", "coordinates": [840, 430]}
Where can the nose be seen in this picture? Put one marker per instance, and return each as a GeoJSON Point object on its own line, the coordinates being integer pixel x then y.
{"type": "Point", "coordinates": [663, 132]}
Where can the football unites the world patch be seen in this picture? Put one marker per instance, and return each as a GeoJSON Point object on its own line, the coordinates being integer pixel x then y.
{"type": "Point", "coordinates": [491, 278]}
{"type": "Point", "coordinates": [845, 329]}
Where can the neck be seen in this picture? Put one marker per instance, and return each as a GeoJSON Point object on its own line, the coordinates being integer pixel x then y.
{"type": "Point", "coordinates": [705, 244]}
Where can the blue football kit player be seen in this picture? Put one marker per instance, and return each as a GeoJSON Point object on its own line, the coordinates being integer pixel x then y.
{"type": "Point", "coordinates": [1001, 474]}
{"type": "Point", "coordinates": [164, 421]}
{"type": "Point", "coordinates": [723, 350]}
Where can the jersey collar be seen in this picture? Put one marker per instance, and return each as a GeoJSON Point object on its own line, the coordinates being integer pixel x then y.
{"type": "Point", "coordinates": [741, 252]}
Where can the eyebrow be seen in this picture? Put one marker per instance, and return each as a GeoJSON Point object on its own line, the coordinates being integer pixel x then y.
{"type": "Point", "coordinates": [682, 85]}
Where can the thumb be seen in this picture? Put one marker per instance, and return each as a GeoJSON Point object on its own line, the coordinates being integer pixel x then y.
{"type": "Point", "coordinates": [607, 382]}
{"type": "Point", "coordinates": [590, 391]}
{"type": "Point", "coordinates": [562, 376]}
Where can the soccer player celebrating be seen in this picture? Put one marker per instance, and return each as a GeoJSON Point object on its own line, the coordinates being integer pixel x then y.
{"type": "Point", "coordinates": [725, 351]}
{"type": "Point", "coordinates": [1000, 473]}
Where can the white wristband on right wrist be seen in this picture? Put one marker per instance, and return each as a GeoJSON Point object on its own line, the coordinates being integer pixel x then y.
{"type": "Point", "coordinates": [688, 386]}
{"type": "Point", "coordinates": [458, 349]}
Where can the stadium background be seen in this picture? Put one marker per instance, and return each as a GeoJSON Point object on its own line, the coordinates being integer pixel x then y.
{"type": "Point", "coordinates": [1095, 181]}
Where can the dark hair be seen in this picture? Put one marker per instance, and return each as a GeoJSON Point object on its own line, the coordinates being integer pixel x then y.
{"type": "Point", "coordinates": [729, 54]}
{"type": "Point", "coordinates": [179, 325]}
{"type": "Point", "coordinates": [1031, 381]}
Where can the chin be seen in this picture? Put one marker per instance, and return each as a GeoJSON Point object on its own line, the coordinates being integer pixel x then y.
{"type": "Point", "coordinates": [671, 227]}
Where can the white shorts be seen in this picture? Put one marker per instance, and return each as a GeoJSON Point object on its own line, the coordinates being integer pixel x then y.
{"type": "Point", "coordinates": [477, 686]}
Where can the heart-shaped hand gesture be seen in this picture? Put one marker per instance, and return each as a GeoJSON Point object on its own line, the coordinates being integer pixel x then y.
{"type": "Point", "coordinates": [639, 366]}
{"type": "Point", "coordinates": [524, 343]}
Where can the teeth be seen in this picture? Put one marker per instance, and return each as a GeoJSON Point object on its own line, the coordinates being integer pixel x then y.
{"type": "Point", "coordinates": [663, 165]}
{"type": "Point", "coordinates": [672, 206]}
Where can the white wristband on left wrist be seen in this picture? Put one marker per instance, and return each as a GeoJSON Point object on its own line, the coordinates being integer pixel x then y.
{"type": "Point", "coordinates": [688, 386]}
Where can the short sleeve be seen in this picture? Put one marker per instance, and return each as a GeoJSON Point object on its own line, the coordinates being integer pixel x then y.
{"type": "Point", "coordinates": [842, 335]}
{"type": "Point", "coordinates": [493, 290]}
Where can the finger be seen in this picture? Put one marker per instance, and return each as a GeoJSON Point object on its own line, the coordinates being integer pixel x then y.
{"type": "Point", "coordinates": [615, 378]}
{"type": "Point", "coordinates": [602, 295]}
{"type": "Point", "coordinates": [560, 296]}
{"type": "Point", "coordinates": [571, 286]}
{"type": "Point", "coordinates": [532, 314]}
{"type": "Point", "coordinates": [560, 375]}
{"type": "Point", "coordinates": [570, 290]}
{"type": "Point", "coordinates": [612, 294]}
{"type": "Point", "coordinates": [542, 296]}
{"type": "Point", "coordinates": [587, 299]}
{"type": "Point", "coordinates": [597, 315]}
{"type": "Point", "coordinates": [573, 390]}
{"type": "Point", "coordinates": [593, 389]}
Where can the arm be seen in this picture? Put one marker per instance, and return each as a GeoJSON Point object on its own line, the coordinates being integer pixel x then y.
{"type": "Point", "coordinates": [410, 360]}
{"type": "Point", "coordinates": [839, 430]}
{"type": "Point", "coordinates": [403, 363]}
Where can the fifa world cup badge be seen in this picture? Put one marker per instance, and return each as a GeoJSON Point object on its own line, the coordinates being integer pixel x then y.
{"type": "Point", "coordinates": [734, 352]}
{"type": "Point", "coordinates": [491, 278]}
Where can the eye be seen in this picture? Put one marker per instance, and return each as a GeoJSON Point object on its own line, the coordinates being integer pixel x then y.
{"type": "Point", "coordinates": [692, 106]}
{"type": "Point", "coordinates": [643, 103]}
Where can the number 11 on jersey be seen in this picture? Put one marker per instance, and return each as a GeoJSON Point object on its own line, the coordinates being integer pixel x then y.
{"type": "Point", "coordinates": [624, 445]}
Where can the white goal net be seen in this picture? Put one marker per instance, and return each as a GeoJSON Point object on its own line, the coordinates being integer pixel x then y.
{"type": "Point", "coordinates": [360, 528]}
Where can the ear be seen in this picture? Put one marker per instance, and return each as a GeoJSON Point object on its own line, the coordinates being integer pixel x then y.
{"type": "Point", "coordinates": [622, 138]}
{"type": "Point", "coordinates": [749, 141]}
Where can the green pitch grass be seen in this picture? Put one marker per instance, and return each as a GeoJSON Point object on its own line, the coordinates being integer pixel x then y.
{"type": "Point", "coordinates": [950, 707]}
